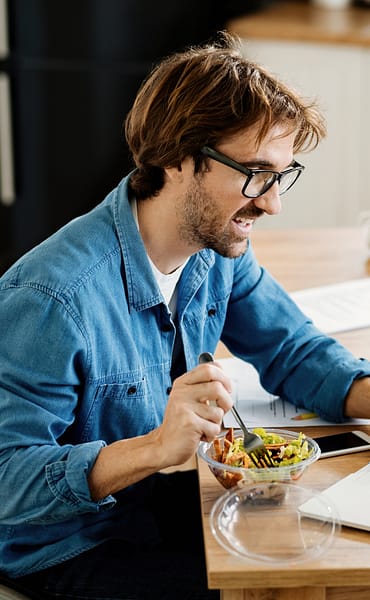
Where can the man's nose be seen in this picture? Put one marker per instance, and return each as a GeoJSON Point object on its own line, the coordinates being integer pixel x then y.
{"type": "Point", "coordinates": [270, 202]}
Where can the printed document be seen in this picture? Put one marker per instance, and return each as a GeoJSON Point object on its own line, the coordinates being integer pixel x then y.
{"type": "Point", "coordinates": [337, 307]}
{"type": "Point", "coordinates": [258, 408]}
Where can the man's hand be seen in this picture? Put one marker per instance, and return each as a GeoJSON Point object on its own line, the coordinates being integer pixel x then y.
{"type": "Point", "coordinates": [196, 406]}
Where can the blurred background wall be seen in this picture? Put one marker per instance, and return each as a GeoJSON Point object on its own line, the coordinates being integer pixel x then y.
{"type": "Point", "coordinates": [323, 51]}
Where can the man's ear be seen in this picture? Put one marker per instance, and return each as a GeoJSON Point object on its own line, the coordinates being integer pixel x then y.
{"type": "Point", "coordinates": [174, 174]}
{"type": "Point", "coordinates": [181, 172]}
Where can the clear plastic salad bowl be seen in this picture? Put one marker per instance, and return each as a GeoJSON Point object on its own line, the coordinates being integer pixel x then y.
{"type": "Point", "coordinates": [288, 470]}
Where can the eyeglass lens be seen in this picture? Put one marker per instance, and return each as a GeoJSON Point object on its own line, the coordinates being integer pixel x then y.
{"type": "Point", "coordinates": [261, 182]}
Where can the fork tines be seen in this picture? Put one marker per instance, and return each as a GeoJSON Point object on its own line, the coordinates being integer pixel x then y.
{"type": "Point", "coordinates": [261, 459]}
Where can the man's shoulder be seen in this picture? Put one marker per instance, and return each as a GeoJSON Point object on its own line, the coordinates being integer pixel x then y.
{"type": "Point", "coordinates": [70, 256]}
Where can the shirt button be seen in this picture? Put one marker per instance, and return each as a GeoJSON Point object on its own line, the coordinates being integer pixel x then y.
{"type": "Point", "coordinates": [131, 390]}
{"type": "Point", "coordinates": [211, 312]}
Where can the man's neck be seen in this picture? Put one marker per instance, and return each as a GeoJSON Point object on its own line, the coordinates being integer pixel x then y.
{"type": "Point", "coordinates": [159, 230]}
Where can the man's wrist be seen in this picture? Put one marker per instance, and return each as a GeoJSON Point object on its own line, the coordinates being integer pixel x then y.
{"type": "Point", "coordinates": [357, 401]}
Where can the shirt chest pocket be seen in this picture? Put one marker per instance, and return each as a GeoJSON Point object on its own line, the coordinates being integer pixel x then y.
{"type": "Point", "coordinates": [119, 410]}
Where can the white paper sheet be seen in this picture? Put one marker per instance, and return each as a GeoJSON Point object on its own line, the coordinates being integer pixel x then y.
{"type": "Point", "coordinates": [337, 307]}
{"type": "Point", "coordinates": [350, 498]}
{"type": "Point", "coordinates": [259, 408]}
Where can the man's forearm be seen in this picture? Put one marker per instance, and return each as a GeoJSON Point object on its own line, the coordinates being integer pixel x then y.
{"type": "Point", "coordinates": [123, 463]}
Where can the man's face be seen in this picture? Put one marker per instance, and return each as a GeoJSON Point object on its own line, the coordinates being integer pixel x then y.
{"type": "Point", "coordinates": [214, 213]}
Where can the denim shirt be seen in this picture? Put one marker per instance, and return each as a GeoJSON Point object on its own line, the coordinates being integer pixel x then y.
{"type": "Point", "coordinates": [86, 342]}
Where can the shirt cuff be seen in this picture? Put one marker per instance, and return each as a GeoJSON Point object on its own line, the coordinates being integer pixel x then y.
{"type": "Point", "coordinates": [67, 479]}
{"type": "Point", "coordinates": [336, 387]}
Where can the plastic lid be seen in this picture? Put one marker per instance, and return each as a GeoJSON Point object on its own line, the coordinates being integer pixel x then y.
{"type": "Point", "coordinates": [264, 521]}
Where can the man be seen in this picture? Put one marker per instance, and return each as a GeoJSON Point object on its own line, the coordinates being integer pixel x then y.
{"type": "Point", "coordinates": [101, 327]}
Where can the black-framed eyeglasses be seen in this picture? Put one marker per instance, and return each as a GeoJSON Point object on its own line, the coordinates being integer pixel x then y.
{"type": "Point", "coordinates": [258, 181]}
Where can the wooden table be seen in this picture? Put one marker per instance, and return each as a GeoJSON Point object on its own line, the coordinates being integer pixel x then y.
{"type": "Point", "coordinates": [300, 259]}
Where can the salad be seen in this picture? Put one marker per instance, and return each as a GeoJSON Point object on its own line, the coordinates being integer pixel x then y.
{"type": "Point", "coordinates": [283, 452]}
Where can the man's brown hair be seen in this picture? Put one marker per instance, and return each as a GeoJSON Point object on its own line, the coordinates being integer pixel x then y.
{"type": "Point", "coordinates": [202, 96]}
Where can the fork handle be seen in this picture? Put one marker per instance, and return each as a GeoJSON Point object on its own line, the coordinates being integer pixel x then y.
{"type": "Point", "coordinates": [205, 357]}
{"type": "Point", "coordinates": [208, 357]}
{"type": "Point", "coordinates": [238, 418]}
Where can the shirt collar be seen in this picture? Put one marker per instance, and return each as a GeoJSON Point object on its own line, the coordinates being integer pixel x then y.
{"type": "Point", "coordinates": [142, 288]}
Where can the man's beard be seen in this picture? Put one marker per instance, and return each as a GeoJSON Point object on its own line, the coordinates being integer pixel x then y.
{"type": "Point", "coordinates": [201, 225]}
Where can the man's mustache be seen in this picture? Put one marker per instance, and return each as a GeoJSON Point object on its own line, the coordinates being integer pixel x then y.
{"type": "Point", "coordinates": [251, 213]}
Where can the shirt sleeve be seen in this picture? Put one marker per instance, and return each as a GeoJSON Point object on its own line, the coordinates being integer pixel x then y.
{"type": "Point", "coordinates": [294, 359]}
{"type": "Point", "coordinates": [44, 357]}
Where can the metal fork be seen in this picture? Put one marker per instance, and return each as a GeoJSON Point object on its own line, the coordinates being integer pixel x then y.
{"type": "Point", "coordinates": [252, 443]}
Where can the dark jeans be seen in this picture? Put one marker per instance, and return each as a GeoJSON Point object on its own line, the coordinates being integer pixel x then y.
{"type": "Point", "coordinates": [118, 570]}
